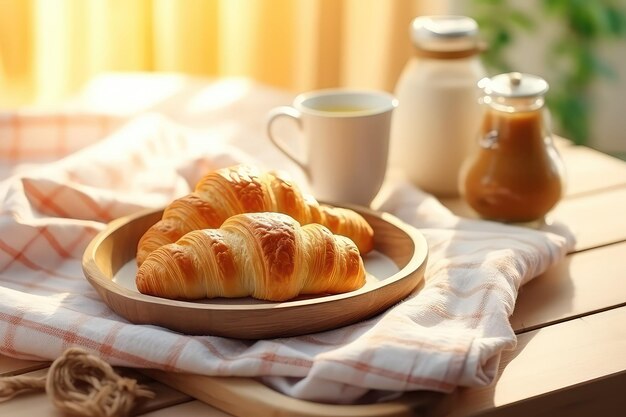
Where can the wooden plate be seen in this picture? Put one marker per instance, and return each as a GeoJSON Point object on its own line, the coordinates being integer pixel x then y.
{"type": "Point", "coordinates": [114, 249]}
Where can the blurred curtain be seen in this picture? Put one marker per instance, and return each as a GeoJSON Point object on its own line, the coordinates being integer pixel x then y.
{"type": "Point", "coordinates": [50, 48]}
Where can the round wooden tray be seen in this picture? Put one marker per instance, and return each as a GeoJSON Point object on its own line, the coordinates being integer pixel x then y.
{"type": "Point", "coordinates": [115, 247]}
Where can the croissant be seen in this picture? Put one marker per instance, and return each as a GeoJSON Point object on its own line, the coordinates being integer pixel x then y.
{"type": "Point", "coordinates": [268, 256]}
{"type": "Point", "coordinates": [244, 189]}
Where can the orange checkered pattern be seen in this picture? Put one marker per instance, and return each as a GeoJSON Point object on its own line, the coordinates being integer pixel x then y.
{"type": "Point", "coordinates": [29, 136]}
{"type": "Point", "coordinates": [83, 173]}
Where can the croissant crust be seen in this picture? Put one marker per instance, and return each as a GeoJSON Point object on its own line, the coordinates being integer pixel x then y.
{"type": "Point", "coordinates": [268, 256]}
{"type": "Point", "coordinates": [244, 189]}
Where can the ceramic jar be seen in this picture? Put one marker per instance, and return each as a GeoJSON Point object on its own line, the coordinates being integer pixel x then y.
{"type": "Point", "coordinates": [438, 113]}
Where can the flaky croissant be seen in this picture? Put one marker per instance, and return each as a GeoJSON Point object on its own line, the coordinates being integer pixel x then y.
{"type": "Point", "coordinates": [268, 256]}
{"type": "Point", "coordinates": [244, 189]}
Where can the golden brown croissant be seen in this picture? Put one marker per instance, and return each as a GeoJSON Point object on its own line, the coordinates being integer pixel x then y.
{"type": "Point", "coordinates": [244, 189]}
{"type": "Point", "coordinates": [268, 256]}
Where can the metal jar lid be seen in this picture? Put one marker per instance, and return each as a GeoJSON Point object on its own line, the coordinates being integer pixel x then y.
{"type": "Point", "coordinates": [444, 33]}
{"type": "Point", "coordinates": [514, 85]}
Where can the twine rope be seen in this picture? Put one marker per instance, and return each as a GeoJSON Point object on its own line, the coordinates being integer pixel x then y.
{"type": "Point", "coordinates": [81, 384]}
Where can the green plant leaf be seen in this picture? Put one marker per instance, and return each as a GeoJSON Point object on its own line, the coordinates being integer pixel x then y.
{"type": "Point", "coordinates": [616, 21]}
{"type": "Point", "coordinates": [581, 23]}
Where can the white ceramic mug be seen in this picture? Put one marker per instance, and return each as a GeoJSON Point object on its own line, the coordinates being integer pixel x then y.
{"type": "Point", "coordinates": [346, 135]}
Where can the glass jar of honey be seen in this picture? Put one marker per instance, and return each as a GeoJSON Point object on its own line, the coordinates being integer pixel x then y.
{"type": "Point", "coordinates": [515, 174]}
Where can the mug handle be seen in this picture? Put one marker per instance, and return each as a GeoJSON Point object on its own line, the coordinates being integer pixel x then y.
{"type": "Point", "coordinates": [289, 112]}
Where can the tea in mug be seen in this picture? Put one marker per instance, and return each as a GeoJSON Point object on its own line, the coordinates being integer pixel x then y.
{"type": "Point", "coordinates": [341, 108]}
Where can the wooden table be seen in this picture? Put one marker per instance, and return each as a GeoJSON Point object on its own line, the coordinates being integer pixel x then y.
{"type": "Point", "coordinates": [571, 325]}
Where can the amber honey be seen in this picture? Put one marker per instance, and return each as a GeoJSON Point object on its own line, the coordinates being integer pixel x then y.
{"type": "Point", "coordinates": [516, 175]}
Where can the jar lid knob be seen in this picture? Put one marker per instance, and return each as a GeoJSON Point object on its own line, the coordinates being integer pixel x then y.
{"type": "Point", "coordinates": [516, 79]}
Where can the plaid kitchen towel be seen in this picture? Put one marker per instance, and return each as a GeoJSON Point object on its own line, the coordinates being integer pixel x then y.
{"type": "Point", "coordinates": [450, 333]}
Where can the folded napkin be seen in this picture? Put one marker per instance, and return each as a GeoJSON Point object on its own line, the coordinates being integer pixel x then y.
{"type": "Point", "coordinates": [449, 333]}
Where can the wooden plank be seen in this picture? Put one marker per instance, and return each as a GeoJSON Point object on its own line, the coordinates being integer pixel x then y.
{"type": "Point", "coordinates": [247, 397]}
{"type": "Point", "coordinates": [583, 283]}
{"type": "Point", "coordinates": [12, 366]}
{"type": "Point", "coordinates": [189, 409]}
{"type": "Point", "coordinates": [582, 400]}
{"type": "Point", "coordinates": [588, 170]}
{"type": "Point", "coordinates": [595, 219]}
{"type": "Point", "coordinates": [34, 404]}
{"type": "Point", "coordinates": [564, 364]}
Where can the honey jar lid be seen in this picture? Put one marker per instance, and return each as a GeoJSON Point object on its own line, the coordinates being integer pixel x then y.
{"type": "Point", "coordinates": [514, 85]}
{"type": "Point", "coordinates": [444, 33]}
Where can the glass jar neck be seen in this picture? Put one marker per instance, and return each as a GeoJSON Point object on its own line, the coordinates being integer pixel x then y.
{"type": "Point", "coordinates": [514, 104]}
